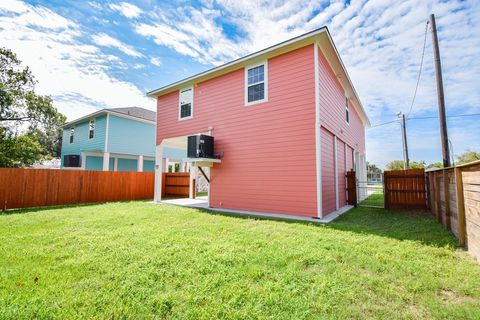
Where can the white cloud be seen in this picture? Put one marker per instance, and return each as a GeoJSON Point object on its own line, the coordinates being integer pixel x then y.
{"type": "Point", "coordinates": [156, 61]}
{"type": "Point", "coordinates": [380, 43]}
{"type": "Point", "coordinates": [73, 73]}
{"type": "Point", "coordinates": [127, 9]}
{"type": "Point", "coordinates": [192, 32]}
{"type": "Point", "coordinates": [105, 40]}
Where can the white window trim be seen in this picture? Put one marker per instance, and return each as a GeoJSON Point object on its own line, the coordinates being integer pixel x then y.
{"type": "Point", "coordinates": [179, 106]}
{"type": "Point", "coordinates": [71, 141]}
{"type": "Point", "coordinates": [94, 128]}
{"type": "Point", "coordinates": [265, 81]}
{"type": "Point", "coordinates": [347, 108]}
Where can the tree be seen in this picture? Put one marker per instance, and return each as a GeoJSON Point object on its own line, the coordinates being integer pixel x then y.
{"type": "Point", "coordinates": [399, 165]}
{"type": "Point", "coordinates": [468, 156]}
{"type": "Point", "coordinates": [395, 165]}
{"type": "Point", "coordinates": [434, 165]}
{"type": "Point", "coordinates": [28, 121]}
{"type": "Point", "coordinates": [417, 164]}
{"type": "Point", "coordinates": [372, 168]}
{"type": "Point", "coordinates": [17, 151]}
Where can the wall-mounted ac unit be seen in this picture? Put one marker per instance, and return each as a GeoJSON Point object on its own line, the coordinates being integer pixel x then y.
{"type": "Point", "coordinates": [200, 146]}
{"type": "Point", "coordinates": [71, 160]}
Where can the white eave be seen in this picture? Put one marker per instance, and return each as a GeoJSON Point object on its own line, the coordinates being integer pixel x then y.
{"type": "Point", "coordinates": [322, 35]}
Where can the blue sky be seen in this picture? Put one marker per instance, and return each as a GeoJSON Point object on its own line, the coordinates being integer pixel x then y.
{"type": "Point", "coordinates": [90, 55]}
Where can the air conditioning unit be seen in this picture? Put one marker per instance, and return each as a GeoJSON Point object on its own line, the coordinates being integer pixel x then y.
{"type": "Point", "coordinates": [200, 146]}
{"type": "Point", "coordinates": [71, 161]}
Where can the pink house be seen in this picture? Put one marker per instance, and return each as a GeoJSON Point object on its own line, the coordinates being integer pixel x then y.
{"type": "Point", "coordinates": [287, 120]}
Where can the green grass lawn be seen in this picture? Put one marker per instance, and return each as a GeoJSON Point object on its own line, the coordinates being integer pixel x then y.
{"type": "Point", "coordinates": [138, 260]}
{"type": "Point", "coordinates": [375, 199]}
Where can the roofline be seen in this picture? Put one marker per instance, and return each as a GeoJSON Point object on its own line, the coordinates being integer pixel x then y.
{"type": "Point", "coordinates": [312, 34]}
{"type": "Point", "coordinates": [364, 114]}
{"type": "Point", "coordinates": [106, 111]}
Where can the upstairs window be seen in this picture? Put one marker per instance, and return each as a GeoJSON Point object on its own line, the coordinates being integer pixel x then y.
{"type": "Point", "coordinates": [91, 129]}
{"type": "Point", "coordinates": [72, 133]}
{"type": "Point", "coordinates": [347, 111]}
{"type": "Point", "coordinates": [186, 104]}
{"type": "Point", "coordinates": [256, 84]}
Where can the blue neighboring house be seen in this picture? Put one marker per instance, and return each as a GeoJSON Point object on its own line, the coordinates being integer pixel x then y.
{"type": "Point", "coordinates": [116, 139]}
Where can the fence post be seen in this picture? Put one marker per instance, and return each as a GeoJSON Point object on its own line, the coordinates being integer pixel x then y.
{"type": "Point", "coordinates": [427, 186]}
{"type": "Point", "coordinates": [438, 199]}
{"type": "Point", "coordinates": [446, 191]}
{"type": "Point", "coordinates": [385, 191]}
{"type": "Point", "coordinates": [460, 206]}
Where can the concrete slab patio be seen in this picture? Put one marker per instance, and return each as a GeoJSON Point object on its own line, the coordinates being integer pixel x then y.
{"type": "Point", "coordinates": [202, 203]}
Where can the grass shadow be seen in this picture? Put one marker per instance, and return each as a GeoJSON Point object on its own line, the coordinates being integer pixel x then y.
{"type": "Point", "coordinates": [40, 209]}
{"type": "Point", "coordinates": [402, 225]}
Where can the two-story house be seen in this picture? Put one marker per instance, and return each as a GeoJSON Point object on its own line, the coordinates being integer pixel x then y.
{"type": "Point", "coordinates": [287, 121]}
{"type": "Point", "coordinates": [117, 139]}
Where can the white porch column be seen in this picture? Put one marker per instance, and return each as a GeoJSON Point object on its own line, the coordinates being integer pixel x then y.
{"type": "Point", "coordinates": [115, 164]}
{"type": "Point", "coordinates": [159, 166]}
{"type": "Point", "coordinates": [140, 163]}
{"type": "Point", "coordinates": [193, 173]}
{"type": "Point", "coordinates": [165, 166]}
{"type": "Point", "coordinates": [83, 161]}
{"type": "Point", "coordinates": [106, 161]}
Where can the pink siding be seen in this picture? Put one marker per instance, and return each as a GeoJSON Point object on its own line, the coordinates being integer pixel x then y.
{"type": "Point", "coordinates": [349, 158]}
{"type": "Point", "coordinates": [342, 195]}
{"type": "Point", "coordinates": [332, 109]}
{"type": "Point", "coordinates": [328, 172]}
{"type": "Point", "coordinates": [333, 122]}
{"type": "Point", "coordinates": [269, 162]}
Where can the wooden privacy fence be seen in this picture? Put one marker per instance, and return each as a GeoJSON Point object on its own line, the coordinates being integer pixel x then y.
{"type": "Point", "coordinates": [176, 184]}
{"type": "Point", "coordinates": [405, 189]}
{"type": "Point", "coordinates": [455, 202]}
{"type": "Point", "coordinates": [25, 188]}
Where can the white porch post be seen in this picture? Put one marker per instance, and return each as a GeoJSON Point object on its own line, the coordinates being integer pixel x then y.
{"type": "Point", "coordinates": [106, 161]}
{"type": "Point", "coordinates": [159, 166]}
{"type": "Point", "coordinates": [165, 167]}
{"type": "Point", "coordinates": [83, 161]}
{"type": "Point", "coordinates": [193, 173]}
{"type": "Point", "coordinates": [115, 164]}
{"type": "Point", "coordinates": [140, 163]}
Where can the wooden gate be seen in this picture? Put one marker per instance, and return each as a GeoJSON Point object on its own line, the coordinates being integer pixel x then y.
{"type": "Point", "coordinates": [405, 189]}
{"type": "Point", "coordinates": [176, 184]}
{"type": "Point", "coordinates": [351, 188]}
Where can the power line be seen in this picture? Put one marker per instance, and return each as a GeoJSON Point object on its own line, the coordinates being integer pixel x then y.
{"type": "Point", "coordinates": [420, 70]}
{"type": "Point", "coordinates": [421, 118]}
{"type": "Point", "coordinates": [454, 116]}
{"type": "Point", "coordinates": [382, 124]}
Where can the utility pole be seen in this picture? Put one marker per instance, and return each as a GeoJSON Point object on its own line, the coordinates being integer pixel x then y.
{"type": "Point", "coordinates": [406, 159]}
{"type": "Point", "coordinates": [440, 96]}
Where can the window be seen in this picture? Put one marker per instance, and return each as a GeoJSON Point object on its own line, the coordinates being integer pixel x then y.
{"type": "Point", "coordinates": [347, 111]}
{"type": "Point", "coordinates": [186, 104]}
{"type": "Point", "coordinates": [72, 133]}
{"type": "Point", "coordinates": [256, 84]}
{"type": "Point", "coordinates": [91, 129]}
